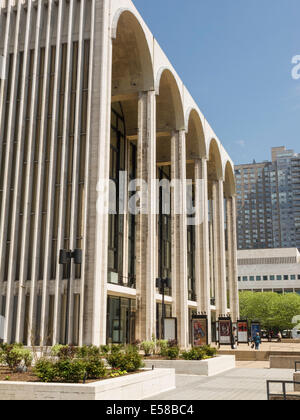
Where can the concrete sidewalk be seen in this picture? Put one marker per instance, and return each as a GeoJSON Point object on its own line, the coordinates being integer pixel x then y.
{"type": "Point", "coordinates": [237, 384]}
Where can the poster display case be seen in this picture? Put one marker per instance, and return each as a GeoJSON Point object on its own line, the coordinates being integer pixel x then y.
{"type": "Point", "coordinates": [200, 330]}
{"type": "Point", "coordinates": [225, 331]}
{"type": "Point", "coordinates": [242, 332]}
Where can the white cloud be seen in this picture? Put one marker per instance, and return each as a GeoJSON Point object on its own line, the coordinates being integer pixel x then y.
{"type": "Point", "coordinates": [240, 143]}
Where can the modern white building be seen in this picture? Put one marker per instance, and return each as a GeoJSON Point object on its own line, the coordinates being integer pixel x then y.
{"type": "Point", "coordinates": [269, 270]}
{"type": "Point", "coordinates": [87, 92]}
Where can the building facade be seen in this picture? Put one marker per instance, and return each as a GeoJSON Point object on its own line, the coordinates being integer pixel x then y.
{"type": "Point", "coordinates": [88, 103]}
{"type": "Point", "coordinates": [269, 270]}
{"type": "Point", "coordinates": [268, 202]}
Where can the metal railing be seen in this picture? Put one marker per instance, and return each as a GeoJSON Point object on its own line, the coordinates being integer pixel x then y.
{"type": "Point", "coordinates": [285, 394]}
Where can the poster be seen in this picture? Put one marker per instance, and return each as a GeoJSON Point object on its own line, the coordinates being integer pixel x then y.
{"type": "Point", "coordinates": [242, 331]}
{"type": "Point", "coordinates": [255, 328]}
{"type": "Point", "coordinates": [170, 329]}
{"type": "Point", "coordinates": [199, 329]}
{"type": "Point", "coordinates": [225, 331]}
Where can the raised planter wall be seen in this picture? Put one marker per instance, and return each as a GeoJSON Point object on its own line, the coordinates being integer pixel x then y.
{"type": "Point", "coordinates": [132, 387]}
{"type": "Point", "coordinates": [257, 356]}
{"type": "Point", "coordinates": [284, 362]}
{"type": "Point", "coordinates": [297, 379]}
{"type": "Point", "coordinates": [209, 367]}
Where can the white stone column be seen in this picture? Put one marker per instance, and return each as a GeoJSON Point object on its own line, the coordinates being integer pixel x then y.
{"type": "Point", "coordinates": [232, 258]}
{"type": "Point", "coordinates": [146, 223]}
{"type": "Point", "coordinates": [219, 247]}
{"type": "Point", "coordinates": [96, 255]}
{"type": "Point", "coordinates": [179, 237]}
{"type": "Point", "coordinates": [202, 241]}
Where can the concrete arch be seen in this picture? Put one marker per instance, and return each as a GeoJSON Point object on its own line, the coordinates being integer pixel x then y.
{"type": "Point", "coordinates": [229, 180]}
{"type": "Point", "coordinates": [215, 165]}
{"type": "Point", "coordinates": [132, 57]}
{"type": "Point", "coordinates": [166, 86]}
{"type": "Point", "coordinates": [196, 145]}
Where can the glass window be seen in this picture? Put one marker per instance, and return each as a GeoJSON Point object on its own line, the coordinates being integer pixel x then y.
{"type": "Point", "coordinates": [265, 278]}
{"type": "Point", "coordinates": [120, 320]}
{"type": "Point", "coordinates": [279, 278]}
{"type": "Point", "coordinates": [116, 221]}
{"type": "Point", "coordinates": [258, 278]}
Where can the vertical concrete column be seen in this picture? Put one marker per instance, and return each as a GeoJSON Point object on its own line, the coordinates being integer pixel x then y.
{"type": "Point", "coordinates": [202, 240]}
{"type": "Point", "coordinates": [146, 220]}
{"type": "Point", "coordinates": [179, 236]}
{"type": "Point", "coordinates": [215, 250]}
{"type": "Point", "coordinates": [175, 199]}
{"type": "Point", "coordinates": [232, 258]}
{"type": "Point", "coordinates": [219, 247]}
{"type": "Point", "coordinates": [96, 252]}
{"type": "Point", "coordinates": [221, 285]}
{"type": "Point", "coordinates": [4, 234]}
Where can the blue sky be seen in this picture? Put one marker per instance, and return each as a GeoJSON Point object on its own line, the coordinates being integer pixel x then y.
{"type": "Point", "coordinates": [235, 57]}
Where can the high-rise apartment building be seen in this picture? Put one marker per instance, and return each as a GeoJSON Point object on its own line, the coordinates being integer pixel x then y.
{"type": "Point", "coordinates": [268, 202]}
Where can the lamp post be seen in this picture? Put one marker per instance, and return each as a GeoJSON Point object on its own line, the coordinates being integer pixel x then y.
{"type": "Point", "coordinates": [65, 258]}
{"type": "Point", "coordinates": [161, 284]}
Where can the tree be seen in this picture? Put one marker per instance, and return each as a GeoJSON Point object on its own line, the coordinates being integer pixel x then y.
{"type": "Point", "coordinates": [272, 310]}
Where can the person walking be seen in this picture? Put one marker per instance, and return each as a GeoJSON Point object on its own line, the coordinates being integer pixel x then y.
{"type": "Point", "coordinates": [257, 341]}
{"type": "Point", "coordinates": [233, 339]}
{"type": "Point", "coordinates": [279, 336]}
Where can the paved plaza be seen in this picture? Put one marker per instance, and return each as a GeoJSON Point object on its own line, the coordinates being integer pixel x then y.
{"type": "Point", "coordinates": [265, 346]}
{"type": "Point", "coordinates": [238, 384]}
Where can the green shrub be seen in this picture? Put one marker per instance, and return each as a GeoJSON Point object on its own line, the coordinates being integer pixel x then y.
{"type": "Point", "coordinates": [14, 355]}
{"type": "Point", "coordinates": [46, 370]}
{"type": "Point", "coordinates": [27, 357]}
{"type": "Point", "coordinates": [88, 351]}
{"type": "Point", "coordinates": [116, 348]}
{"type": "Point", "coordinates": [148, 347]}
{"type": "Point", "coordinates": [162, 346]}
{"type": "Point", "coordinates": [94, 368]}
{"type": "Point", "coordinates": [69, 370]}
{"type": "Point", "coordinates": [194, 354]}
{"type": "Point", "coordinates": [104, 349]}
{"type": "Point", "coordinates": [129, 361]}
{"type": "Point", "coordinates": [55, 350]}
{"type": "Point", "coordinates": [67, 352]}
{"type": "Point", "coordinates": [209, 351]}
{"type": "Point", "coordinates": [172, 353]}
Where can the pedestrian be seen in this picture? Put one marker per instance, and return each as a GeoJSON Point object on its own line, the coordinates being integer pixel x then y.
{"type": "Point", "coordinates": [279, 336]}
{"type": "Point", "coordinates": [233, 339]}
{"type": "Point", "coordinates": [257, 341]}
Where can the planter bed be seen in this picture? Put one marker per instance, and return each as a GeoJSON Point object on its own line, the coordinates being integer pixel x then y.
{"type": "Point", "coordinates": [138, 386]}
{"type": "Point", "coordinates": [208, 367]}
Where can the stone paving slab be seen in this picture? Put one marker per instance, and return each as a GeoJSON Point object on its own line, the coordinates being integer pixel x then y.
{"type": "Point", "coordinates": [237, 384]}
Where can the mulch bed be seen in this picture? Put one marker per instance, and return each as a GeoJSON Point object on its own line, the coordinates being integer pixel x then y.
{"type": "Point", "coordinates": [7, 376]}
